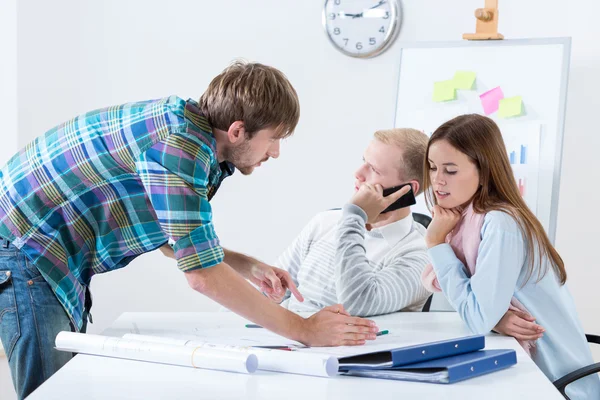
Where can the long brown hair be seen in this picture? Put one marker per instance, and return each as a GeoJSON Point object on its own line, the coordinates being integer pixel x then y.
{"type": "Point", "coordinates": [479, 138]}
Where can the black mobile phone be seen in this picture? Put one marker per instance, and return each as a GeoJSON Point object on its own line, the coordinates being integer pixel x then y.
{"type": "Point", "coordinates": [407, 200]}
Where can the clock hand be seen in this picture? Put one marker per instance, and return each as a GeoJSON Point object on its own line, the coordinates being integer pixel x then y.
{"type": "Point", "coordinates": [370, 13]}
{"type": "Point", "coordinates": [367, 13]}
{"type": "Point", "coordinates": [347, 15]}
{"type": "Point", "coordinates": [381, 2]}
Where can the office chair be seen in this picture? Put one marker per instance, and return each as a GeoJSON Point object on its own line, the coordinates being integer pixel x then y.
{"type": "Point", "coordinates": [562, 383]}
{"type": "Point", "coordinates": [424, 220]}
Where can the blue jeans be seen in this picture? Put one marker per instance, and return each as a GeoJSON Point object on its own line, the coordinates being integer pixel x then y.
{"type": "Point", "coordinates": [30, 318]}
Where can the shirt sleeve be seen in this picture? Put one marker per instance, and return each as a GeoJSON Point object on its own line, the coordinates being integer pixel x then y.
{"type": "Point", "coordinates": [484, 298]}
{"type": "Point", "coordinates": [292, 258]}
{"type": "Point", "coordinates": [175, 173]}
{"type": "Point", "coordinates": [364, 289]}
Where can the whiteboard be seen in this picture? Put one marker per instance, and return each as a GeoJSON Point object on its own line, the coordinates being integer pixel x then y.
{"type": "Point", "coordinates": [536, 69]}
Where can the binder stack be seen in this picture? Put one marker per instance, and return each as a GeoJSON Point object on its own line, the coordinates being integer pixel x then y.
{"type": "Point", "coordinates": [447, 361]}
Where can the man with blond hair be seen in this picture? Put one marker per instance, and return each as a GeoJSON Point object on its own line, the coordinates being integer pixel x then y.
{"type": "Point", "coordinates": [94, 193]}
{"type": "Point", "coordinates": [371, 263]}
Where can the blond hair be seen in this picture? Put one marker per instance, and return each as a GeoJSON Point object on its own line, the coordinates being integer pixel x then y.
{"type": "Point", "coordinates": [479, 138]}
{"type": "Point", "coordinates": [258, 95]}
{"type": "Point", "coordinates": [413, 144]}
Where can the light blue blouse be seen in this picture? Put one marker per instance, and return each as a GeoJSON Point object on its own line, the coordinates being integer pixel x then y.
{"type": "Point", "coordinates": [482, 300]}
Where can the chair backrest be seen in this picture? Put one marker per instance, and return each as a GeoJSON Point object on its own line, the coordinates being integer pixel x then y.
{"type": "Point", "coordinates": [427, 304]}
{"type": "Point", "coordinates": [592, 369]}
{"type": "Point", "coordinates": [422, 219]}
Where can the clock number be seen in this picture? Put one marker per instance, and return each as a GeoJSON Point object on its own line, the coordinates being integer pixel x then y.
{"type": "Point", "coordinates": [337, 31]}
{"type": "Point", "coordinates": [382, 30]}
{"type": "Point", "coordinates": [332, 16]}
{"type": "Point", "coordinates": [359, 46]}
{"type": "Point", "coordinates": [387, 15]}
{"type": "Point", "coordinates": [337, 2]}
{"type": "Point", "coordinates": [372, 41]}
{"type": "Point", "coordinates": [345, 44]}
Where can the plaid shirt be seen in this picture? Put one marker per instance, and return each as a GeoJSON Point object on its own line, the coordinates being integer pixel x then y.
{"type": "Point", "coordinates": [96, 192]}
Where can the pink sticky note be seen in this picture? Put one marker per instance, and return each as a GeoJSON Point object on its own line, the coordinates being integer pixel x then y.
{"type": "Point", "coordinates": [490, 100]}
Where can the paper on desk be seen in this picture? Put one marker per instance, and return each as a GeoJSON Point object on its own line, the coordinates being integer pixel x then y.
{"type": "Point", "coordinates": [263, 337]}
{"type": "Point", "coordinates": [383, 343]}
{"type": "Point", "coordinates": [187, 356]}
{"type": "Point", "coordinates": [226, 335]}
{"type": "Point", "coordinates": [294, 362]}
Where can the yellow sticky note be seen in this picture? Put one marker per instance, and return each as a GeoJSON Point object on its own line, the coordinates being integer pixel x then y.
{"type": "Point", "coordinates": [510, 107]}
{"type": "Point", "coordinates": [444, 91]}
{"type": "Point", "coordinates": [464, 80]}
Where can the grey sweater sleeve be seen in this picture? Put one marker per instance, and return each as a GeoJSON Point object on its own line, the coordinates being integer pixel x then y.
{"type": "Point", "coordinates": [366, 290]}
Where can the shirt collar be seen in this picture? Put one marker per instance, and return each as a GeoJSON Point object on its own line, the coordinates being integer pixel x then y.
{"type": "Point", "coordinates": [194, 115]}
{"type": "Point", "coordinates": [227, 168]}
{"type": "Point", "coordinates": [396, 231]}
{"type": "Point", "coordinates": [219, 171]}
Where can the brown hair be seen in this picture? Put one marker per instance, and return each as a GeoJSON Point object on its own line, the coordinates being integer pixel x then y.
{"type": "Point", "coordinates": [256, 94]}
{"type": "Point", "coordinates": [413, 144]}
{"type": "Point", "coordinates": [479, 138]}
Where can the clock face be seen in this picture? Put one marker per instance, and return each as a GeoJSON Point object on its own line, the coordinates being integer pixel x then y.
{"type": "Point", "coordinates": [361, 28]}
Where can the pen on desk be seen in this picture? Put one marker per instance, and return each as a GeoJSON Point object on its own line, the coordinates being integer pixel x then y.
{"type": "Point", "coordinates": [253, 326]}
{"type": "Point", "coordinates": [382, 333]}
{"type": "Point", "coordinates": [286, 348]}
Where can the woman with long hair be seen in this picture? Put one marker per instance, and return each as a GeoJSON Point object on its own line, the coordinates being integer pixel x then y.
{"type": "Point", "coordinates": [490, 254]}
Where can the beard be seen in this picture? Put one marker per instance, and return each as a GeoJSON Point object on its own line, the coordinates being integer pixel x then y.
{"type": "Point", "coordinates": [241, 157]}
{"type": "Point", "coordinates": [245, 170]}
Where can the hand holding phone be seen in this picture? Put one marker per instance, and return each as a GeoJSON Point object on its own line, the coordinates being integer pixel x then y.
{"type": "Point", "coordinates": [372, 199]}
{"type": "Point", "coordinates": [405, 201]}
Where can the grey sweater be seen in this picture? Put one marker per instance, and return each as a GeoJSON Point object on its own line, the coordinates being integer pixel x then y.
{"type": "Point", "coordinates": [336, 260]}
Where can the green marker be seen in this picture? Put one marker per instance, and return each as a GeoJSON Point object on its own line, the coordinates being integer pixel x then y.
{"type": "Point", "coordinates": [382, 333]}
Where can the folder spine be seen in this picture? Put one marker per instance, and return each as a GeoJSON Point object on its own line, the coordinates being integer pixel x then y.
{"type": "Point", "coordinates": [437, 350]}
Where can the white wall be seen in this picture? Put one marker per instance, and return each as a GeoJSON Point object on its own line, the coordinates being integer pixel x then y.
{"type": "Point", "coordinates": [8, 137]}
{"type": "Point", "coordinates": [8, 78]}
{"type": "Point", "coordinates": [77, 55]}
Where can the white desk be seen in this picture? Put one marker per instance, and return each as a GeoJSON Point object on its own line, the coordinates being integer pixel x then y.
{"type": "Point", "coordinates": [92, 377]}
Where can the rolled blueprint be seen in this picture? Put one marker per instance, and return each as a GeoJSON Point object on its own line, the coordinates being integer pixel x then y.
{"type": "Point", "coordinates": [293, 362]}
{"type": "Point", "coordinates": [152, 351]}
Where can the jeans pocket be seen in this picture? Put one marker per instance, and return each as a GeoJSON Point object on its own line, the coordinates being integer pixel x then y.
{"type": "Point", "coordinates": [31, 271]}
{"type": "Point", "coordinates": [39, 289]}
{"type": "Point", "coordinates": [10, 330]}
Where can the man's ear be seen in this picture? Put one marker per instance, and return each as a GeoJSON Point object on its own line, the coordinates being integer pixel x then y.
{"type": "Point", "coordinates": [236, 132]}
{"type": "Point", "coordinates": [415, 186]}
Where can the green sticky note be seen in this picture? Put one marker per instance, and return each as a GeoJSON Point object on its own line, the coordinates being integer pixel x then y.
{"type": "Point", "coordinates": [510, 107]}
{"type": "Point", "coordinates": [464, 80]}
{"type": "Point", "coordinates": [444, 91]}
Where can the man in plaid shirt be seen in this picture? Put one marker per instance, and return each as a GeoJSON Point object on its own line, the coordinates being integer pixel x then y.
{"type": "Point", "coordinates": [94, 193]}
